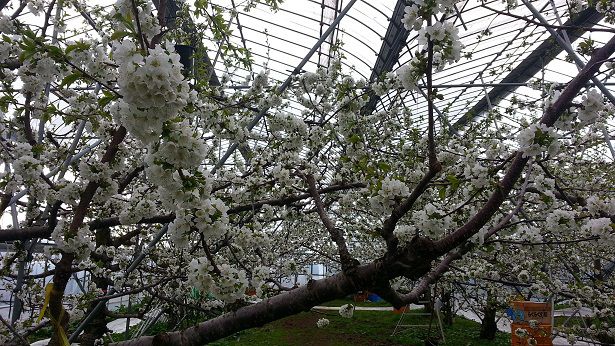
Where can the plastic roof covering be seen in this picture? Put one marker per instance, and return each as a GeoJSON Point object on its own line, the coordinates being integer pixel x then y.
{"type": "Point", "coordinates": [279, 41]}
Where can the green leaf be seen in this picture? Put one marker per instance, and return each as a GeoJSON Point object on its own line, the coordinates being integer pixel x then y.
{"type": "Point", "coordinates": [106, 98]}
{"type": "Point", "coordinates": [27, 32]}
{"type": "Point", "coordinates": [38, 149]}
{"type": "Point", "coordinates": [384, 166]}
{"type": "Point", "coordinates": [119, 35]}
{"type": "Point", "coordinates": [452, 179]}
{"type": "Point", "coordinates": [442, 192]}
{"type": "Point", "coordinates": [70, 79]}
{"type": "Point", "coordinates": [79, 46]}
{"type": "Point", "coordinates": [5, 101]}
{"type": "Point", "coordinates": [354, 139]}
{"type": "Point", "coordinates": [55, 52]}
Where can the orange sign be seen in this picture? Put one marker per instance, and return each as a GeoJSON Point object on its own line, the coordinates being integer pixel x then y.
{"type": "Point", "coordinates": [531, 323]}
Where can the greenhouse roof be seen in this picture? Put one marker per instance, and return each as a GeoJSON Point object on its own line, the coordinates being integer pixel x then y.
{"type": "Point", "coordinates": [503, 51]}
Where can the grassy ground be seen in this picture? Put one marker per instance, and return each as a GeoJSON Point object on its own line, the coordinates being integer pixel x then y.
{"type": "Point", "coordinates": [365, 328]}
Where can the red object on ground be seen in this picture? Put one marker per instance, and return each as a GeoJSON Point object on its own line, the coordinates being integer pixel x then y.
{"type": "Point", "coordinates": [360, 296]}
{"type": "Point", "coordinates": [400, 310]}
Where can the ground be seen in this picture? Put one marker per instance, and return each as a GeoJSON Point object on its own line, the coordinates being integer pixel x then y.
{"type": "Point", "coordinates": [365, 328]}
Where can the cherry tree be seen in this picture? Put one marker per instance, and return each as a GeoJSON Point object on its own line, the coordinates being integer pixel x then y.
{"type": "Point", "coordinates": [154, 180]}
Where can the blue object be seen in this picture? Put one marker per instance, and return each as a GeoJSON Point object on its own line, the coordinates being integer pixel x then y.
{"type": "Point", "coordinates": [515, 315]}
{"type": "Point", "coordinates": [374, 298]}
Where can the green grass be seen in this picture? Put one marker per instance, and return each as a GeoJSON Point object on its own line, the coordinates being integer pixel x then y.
{"type": "Point", "coordinates": [365, 328]}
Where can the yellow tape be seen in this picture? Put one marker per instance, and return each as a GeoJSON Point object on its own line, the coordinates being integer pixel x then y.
{"type": "Point", "coordinates": [48, 290]}
{"type": "Point", "coordinates": [61, 332]}
{"type": "Point", "coordinates": [54, 321]}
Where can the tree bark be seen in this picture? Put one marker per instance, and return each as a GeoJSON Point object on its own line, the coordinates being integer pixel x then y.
{"type": "Point", "coordinates": [489, 327]}
{"type": "Point", "coordinates": [447, 308]}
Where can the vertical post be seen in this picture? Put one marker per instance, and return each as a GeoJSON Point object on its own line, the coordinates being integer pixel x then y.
{"type": "Point", "coordinates": [126, 333]}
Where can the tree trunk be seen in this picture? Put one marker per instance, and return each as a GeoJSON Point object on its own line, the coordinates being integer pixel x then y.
{"type": "Point", "coordinates": [489, 327]}
{"type": "Point", "coordinates": [427, 301]}
{"type": "Point", "coordinates": [447, 308]}
{"type": "Point", "coordinates": [97, 327]}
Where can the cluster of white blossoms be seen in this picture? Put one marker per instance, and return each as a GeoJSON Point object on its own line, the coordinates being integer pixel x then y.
{"type": "Point", "coordinates": [381, 87]}
{"type": "Point", "coordinates": [148, 22]}
{"type": "Point", "coordinates": [561, 221]}
{"type": "Point", "coordinates": [346, 310]}
{"type": "Point", "coordinates": [7, 49]}
{"type": "Point", "coordinates": [404, 233]}
{"type": "Point", "coordinates": [81, 244]}
{"type": "Point", "coordinates": [592, 105]}
{"type": "Point", "coordinates": [523, 276]}
{"type": "Point", "coordinates": [596, 205]}
{"type": "Point", "coordinates": [6, 24]}
{"type": "Point", "coordinates": [207, 216]}
{"type": "Point", "coordinates": [417, 10]}
{"type": "Point", "coordinates": [27, 171]}
{"type": "Point", "coordinates": [289, 128]}
{"type": "Point", "coordinates": [25, 165]}
{"type": "Point", "coordinates": [606, 7]}
{"type": "Point", "coordinates": [444, 36]}
{"type": "Point", "coordinates": [181, 148]}
{"type": "Point", "coordinates": [431, 220]}
{"type": "Point", "coordinates": [93, 58]}
{"type": "Point", "coordinates": [259, 84]}
{"type": "Point", "coordinates": [600, 227]}
{"type": "Point", "coordinates": [447, 47]}
{"type": "Point", "coordinates": [478, 174]}
{"type": "Point", "coordinates": [536, 139]}
{"type": "Point", "coordinates": [228, 286]}
{"type": "Point", "coordinates": [531, 234]}
{"type": "Point", "coordinates": [576, 6]}
{"type": "Point", "coordinates": [101, 173]}
{"type": "Point", "coordinates": [389, 192]}
{"type": "Point", "coordinates": [411, 19]}
{"type": "Point", "coordinates": [153, 88]}
{"type": "Point", "coordinates": [140, 207]}
{"type": "Point", "coordinates": [322, 322]}
{"type": "Point", "coordinates": [37, 71]}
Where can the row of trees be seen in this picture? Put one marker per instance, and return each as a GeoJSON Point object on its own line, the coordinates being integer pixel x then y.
{"type": "Point", "coordinates": [112, 151]}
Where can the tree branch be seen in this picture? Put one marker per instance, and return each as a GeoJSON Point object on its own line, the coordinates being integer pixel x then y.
{"type": "Point", "coordinates": [552, 113]}
{"type": "Point", "coordinates": [335, 233]}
